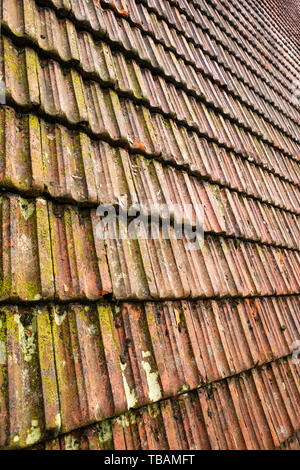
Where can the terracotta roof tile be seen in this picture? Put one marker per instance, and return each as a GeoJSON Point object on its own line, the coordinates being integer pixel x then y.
{"type": "Point", "coordinates": [173, 144]}
{"type": "Point", "coordinates": [140, 343]}
{"type": "Point", "coordinates": [228, 415]}
{"type": "Point", "coordinates": [86, 42]}
{"type": "Point", "coordinates": [67, 249]}
{"type": "Point", "coordinates": [25, 236]}
{"type": "Point", "coordinates": [108, 358]}
{"type": "Point", "coordinates": [57, 250]}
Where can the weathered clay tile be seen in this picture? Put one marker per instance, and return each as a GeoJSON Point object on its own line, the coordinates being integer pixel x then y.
{"type": "Point", "coordinates": [96, 171]}
{"type": "Point", "coordinates": [109, 358]}
{"type": "Point", "coordinates": [212, 32]}
{"type": "Point", "coordinates": [58, 106]}
{"type": "Point", "coordinates": [61, 255]}
{"type": "Point", "coordinates": [79, 257]}
{"type": "Point", "coordinates": [105, 115]}
{"type": "Point", "coordinates": [231, 414]}
{"type": "Point", "coordinates": [95, 368]}
{"type": "Point", "coordinates": [148, 102]}
{"type": "Point", "coordinates": [88, 41]}
{"type": "Point", "coordinates": [25, 237]}
{"type": "Point", "coordinates": [219, 268]}
{"type": "Point", "coordinates": [29, 398]}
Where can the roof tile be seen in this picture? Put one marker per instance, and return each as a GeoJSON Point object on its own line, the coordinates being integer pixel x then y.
{"type": "Point", "coordinates": [141, 102]}
{"type": "Point", "coordinates": [25, 236]}
{"type": "Point", "coordinates": [201, 420]}
{"type": "Point", "coordinates": [87, 39]}
{"type": "Point", "coordinates": [109, 358]}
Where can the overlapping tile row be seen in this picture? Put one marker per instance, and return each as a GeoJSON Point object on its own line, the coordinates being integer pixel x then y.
{"type": "Point", "coordinates": [221, 268]}
{"type": "Point", "coordinates": [208, 52]}
{"type": "Point", "coordinates": [276, 53]}
{"type": "Point", "coordinates": [66, 255]}
{"type": "Point", "coordinates": [217, 339]}
{"type": "Point", "coordinates": [223, 12]}
{"type": "Point", "coordinates": [217, 41]}
{"type": "Point", "coordinates": [213, 68]}
{"type": "Point", "coordinates": [175, 22]}
{"type": "Point", "coordinates": [65, 95]}
{"type": "Point", "coordinates": [157, 57]}
{"type": "Point", "coordinates": [87, 14]}
{"type": "Point", "coordinates": [179, 15]}
{"type": "Point", "coordinates": [147, 21]}
{"type": "Point", "coordinates": [279, 47]}
{"type": "Point", "coordinates": [35, 76]}
{"type": "Point", "coordinates": [255, 68]}
{"type": "Point", "coordinates": [60, 255]}
{"type": "Point", "coordinates": [48, 159]}
{"type": "Point", "coordinates": [282, 23]}
{"type": "Point", "coordinates": [276, 21]}
{"type": "Point", "coordinates": [234, 414]}
{"type": "Point", "coordinates": [105, 359]}
{"type": "Point", "coordinates": [275, 41]}
{"type": "Point", "coordinates": [219, 18]}
{"type": "Point", "coordinates": [35, 154]}
{"type": "Point", "coordinates": [216, 17]}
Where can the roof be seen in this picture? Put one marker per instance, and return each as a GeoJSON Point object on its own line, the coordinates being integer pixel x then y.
{"type": "Point", "coordinates": [156, 346]}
